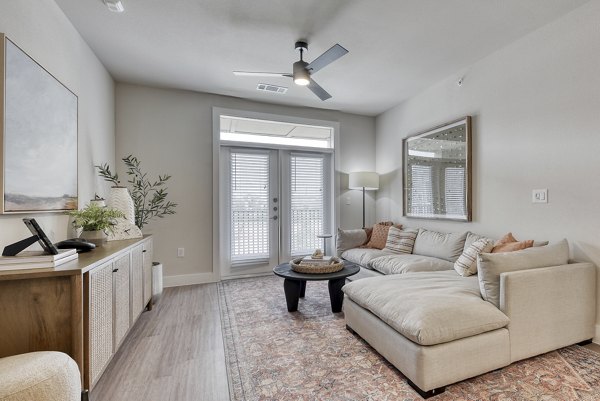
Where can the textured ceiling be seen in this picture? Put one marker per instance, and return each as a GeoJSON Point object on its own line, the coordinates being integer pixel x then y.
{"type": "Point", "coordinates": [397, 47]}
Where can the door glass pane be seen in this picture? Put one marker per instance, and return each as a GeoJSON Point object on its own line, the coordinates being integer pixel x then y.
{"type": "Point", "coordinates": [249, 207]}
{"type": "Point", "coordinates": [307, 203]}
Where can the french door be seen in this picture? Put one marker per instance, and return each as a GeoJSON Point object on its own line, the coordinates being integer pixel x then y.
{"type": "Point", "coordinates": [276, 202]}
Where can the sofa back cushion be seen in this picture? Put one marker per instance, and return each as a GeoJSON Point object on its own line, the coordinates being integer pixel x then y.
{"type": "Point", "coordinates": [447, 246]}
{"type": "Point", "coordinates": [400, 241]}
{"type": "Point", "coordinates": [491, 265]}
{"type": "Point", "coordinates": [348, 239]}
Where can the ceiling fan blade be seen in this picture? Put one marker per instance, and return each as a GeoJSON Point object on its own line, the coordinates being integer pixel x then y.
{"type": "Point", "coordinates": [326, 58]}
{"type": "Point", "coordinates": [261, 74]}
{"type": "Point", "coordinates": [317, 90]}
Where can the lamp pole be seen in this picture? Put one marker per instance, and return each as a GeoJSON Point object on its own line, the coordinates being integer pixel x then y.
{"type": "Point", "coordinates": [363, 188]}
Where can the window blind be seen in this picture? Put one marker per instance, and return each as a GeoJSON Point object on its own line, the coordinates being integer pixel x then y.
{"type": "Point", "coordinates": [422, 190]}
{"type": "Point", "coordinates": [307, 203]}
{"type": "Point", "coordinates": [249, 207]}
{"type": "Point", "coordinates": [455, 191]}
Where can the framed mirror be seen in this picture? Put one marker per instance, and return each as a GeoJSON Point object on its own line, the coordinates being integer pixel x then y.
{"type": "Point", "coordinates": [437, 172]}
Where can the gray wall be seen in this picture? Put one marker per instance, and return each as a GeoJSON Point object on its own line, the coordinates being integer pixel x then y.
{"type": "Point", "coordinates": [171, 132]}
{"type": "Point", "coordinates": [41, 29]}
{"type": "Point", "coordinates": [536, 120]}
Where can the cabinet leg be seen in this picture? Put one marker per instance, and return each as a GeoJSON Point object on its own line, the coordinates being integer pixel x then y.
{"type": "Point", "coordinates": [85, 396]}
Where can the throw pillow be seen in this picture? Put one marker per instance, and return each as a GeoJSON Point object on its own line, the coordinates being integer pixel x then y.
{"type": "Point", "coordinates": [348, 239]}
{"type": "Point", "coordinates": [466, 264]}
{"type": "Point", "coordinates": [491, 265]}
{"type": "Point", "coordinates": [400, 241]}
{"type": "Point", "coordinates": [508, 243]}
{"type": "Point", "coordinates": [379, 236]}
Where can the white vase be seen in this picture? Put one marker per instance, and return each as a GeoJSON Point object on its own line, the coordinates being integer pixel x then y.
{"type": "Point", "coordinates": [120, 199]}
{"type": "Point", "coordinates": [125, 228]}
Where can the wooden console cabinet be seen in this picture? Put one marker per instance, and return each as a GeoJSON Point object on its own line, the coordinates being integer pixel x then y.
{"type": "Point", "coordinates": [84, 308]}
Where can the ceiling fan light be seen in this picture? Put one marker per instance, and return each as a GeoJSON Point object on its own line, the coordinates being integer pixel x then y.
{"type": "Point", "coordinates": [301, 75]}
{"type": "Point", "coordinates": [302, 81]}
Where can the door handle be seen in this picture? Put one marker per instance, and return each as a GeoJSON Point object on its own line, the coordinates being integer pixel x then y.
{"type": "Point", "coordinates": [274, 218]}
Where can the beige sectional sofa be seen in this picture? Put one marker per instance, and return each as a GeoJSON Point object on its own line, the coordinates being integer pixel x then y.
{"type": "Point", "coordinates": [434, 324]}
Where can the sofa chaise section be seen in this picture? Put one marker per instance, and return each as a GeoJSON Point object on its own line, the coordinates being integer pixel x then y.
{"type": "Point", "coordinates": [540, 310]}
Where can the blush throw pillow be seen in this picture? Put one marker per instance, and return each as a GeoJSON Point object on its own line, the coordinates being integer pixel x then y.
{"type": "Point", "coordinates": [491, 265]}
{"type": "Point", "coordinates": [466, 264]}
{"type": "Point", "coordinates": [379, 236]}
{"type": "Point", "coordinates": [508, 243]}
{"type": "Point", "coordinates": [400, 241]}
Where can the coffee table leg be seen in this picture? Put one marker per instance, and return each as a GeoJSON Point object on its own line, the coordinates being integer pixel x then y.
{"type": "Point", "coordinates": [336, 295]}
{"type": "Point", "coordinates": [292, 293]}
{"type": "Point", "coordinates": [302, 288]}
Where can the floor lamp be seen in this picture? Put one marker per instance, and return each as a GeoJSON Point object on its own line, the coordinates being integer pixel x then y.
{"type": "Point", "coordinates": [365, 180]}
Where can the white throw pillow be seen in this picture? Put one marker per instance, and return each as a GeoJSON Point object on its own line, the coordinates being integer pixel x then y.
{"type": "Point", "coordinates": [400, 241]}
{"type": "Point", "coordinates": [491, 265]}
{"type": "Point", "coordinates": [466, 264]}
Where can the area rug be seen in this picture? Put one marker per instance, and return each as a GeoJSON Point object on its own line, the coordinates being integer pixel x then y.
{"type": "Point", "coordinates": [309, 355]}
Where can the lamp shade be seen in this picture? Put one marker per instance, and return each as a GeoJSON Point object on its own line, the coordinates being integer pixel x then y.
{"type": "Point", "coordinates": [363, 179]}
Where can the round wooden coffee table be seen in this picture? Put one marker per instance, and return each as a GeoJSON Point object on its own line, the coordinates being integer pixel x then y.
{"type": "Point", "coordinates": [294, 284]}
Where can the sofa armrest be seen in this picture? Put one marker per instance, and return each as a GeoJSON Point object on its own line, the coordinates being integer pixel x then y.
{"type": "Point", "coordinates": [549, 307]}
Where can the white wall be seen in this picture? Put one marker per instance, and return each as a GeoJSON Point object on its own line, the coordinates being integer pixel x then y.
{"type": "Point", "coordinates": [171, 132]}
{"type": "Point", "coordinates": [41, 29]}
{"type": "Point", "coordinates": [536, 109]}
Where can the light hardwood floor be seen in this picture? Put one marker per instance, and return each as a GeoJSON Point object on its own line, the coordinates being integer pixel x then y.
{"type": "Point", "coordinates": [174, 352]}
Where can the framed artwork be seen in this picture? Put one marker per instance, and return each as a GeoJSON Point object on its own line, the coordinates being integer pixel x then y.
{"type": "Point", "coordinates": [39, 136]}
{"type": "Point", "coordinates": [437, 172]}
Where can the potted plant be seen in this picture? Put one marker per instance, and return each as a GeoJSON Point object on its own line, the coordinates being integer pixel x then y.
{"type": "Point", "coordinates": [149, 197]}
{"type": "Point", "coordinates": [96, 222]}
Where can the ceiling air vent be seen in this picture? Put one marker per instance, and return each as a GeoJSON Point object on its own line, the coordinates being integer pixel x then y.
{"type": "Point", "coordinates": [272, 88]}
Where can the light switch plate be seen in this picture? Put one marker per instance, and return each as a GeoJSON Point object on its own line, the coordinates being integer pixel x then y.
{"type": "Point", "coordinates": [539, 196]}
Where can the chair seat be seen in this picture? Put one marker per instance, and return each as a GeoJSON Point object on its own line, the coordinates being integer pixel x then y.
{"type": "Point", "coordinates": [39, 376]}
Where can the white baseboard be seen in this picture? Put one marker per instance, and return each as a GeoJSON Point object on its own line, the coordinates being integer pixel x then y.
{"type": "Point", "coordinates": [189, 279]}
{"type": "Point", "coordinates": [596, 338]}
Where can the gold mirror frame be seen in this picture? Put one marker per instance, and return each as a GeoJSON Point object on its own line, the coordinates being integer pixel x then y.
{"type": "Point", "coordinates": [437, 172]}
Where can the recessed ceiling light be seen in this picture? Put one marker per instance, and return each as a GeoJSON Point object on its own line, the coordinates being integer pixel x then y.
{"type": "Point", "coordinates": [114, 5]}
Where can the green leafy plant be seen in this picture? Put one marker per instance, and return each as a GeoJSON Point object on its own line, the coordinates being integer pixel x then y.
{"type": "Point", "coordinates": [95, 218]}
{"type": "Point", "coordinates": [149, 196]}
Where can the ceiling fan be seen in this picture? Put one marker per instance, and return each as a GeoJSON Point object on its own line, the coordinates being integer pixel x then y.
{"type": "Point", "coordinates": [302, 70]}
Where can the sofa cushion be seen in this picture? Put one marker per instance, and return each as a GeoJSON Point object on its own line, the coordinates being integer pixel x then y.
{"type": "Point", "coordinates": [407, 263]}
{"type": "Point", "coordinates": [363, 256]}
{"type": "Point", "coordinates": [348, 239]}
{"type": "Point", "coordinates": [401, 241]}
{"type": "Point", "coordinates": [448, 246]}
{"type": "Point", "coordinates": [491, 265]}
{"type": "Point", "coordinates": [466, 264]}
{"type": "Point", "coordinates": [428, 308]}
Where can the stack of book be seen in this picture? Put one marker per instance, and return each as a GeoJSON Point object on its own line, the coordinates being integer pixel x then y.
{"type": "Point", "coordinates": [37, 260]}
{"type": "Point", "coordinates": [309, 261]}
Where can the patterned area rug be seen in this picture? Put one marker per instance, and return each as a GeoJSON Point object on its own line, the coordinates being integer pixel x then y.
{"type": "Point", "coordinates": [309, 355]}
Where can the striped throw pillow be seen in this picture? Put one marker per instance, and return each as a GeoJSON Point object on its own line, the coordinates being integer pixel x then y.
{"type": "Point", "coordinates": [466, 264]}
{"type": "Point", "coordinates": [400, 241]}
